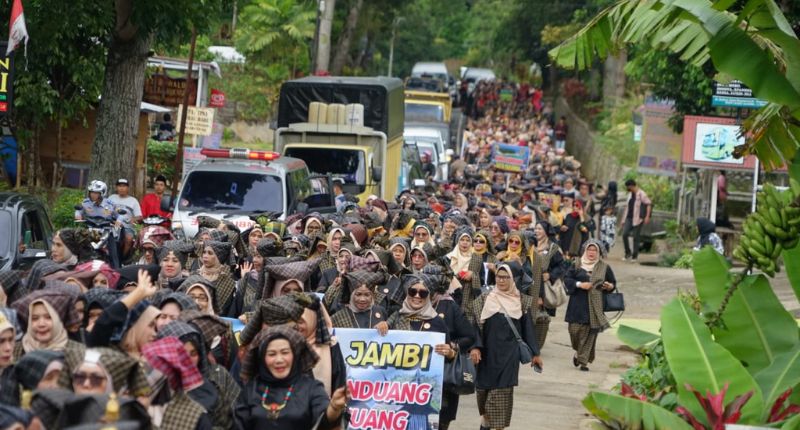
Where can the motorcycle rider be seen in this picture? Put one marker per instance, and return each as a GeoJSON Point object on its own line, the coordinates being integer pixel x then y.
{"type": "Point", "coordinates": [133, 216]}
{"type": "Point", "coordinates": [96, 205]}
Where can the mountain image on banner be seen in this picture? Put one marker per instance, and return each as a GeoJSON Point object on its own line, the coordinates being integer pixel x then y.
{"type": "Point", "coordinates": [17, 32]}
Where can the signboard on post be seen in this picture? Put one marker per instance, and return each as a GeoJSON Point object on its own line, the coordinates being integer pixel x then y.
{"type": "Point", "coordinates": [6, 81]}
{"type": "Point", "coordinates": [660, 147]}
{"type": "Point", "coordinates": [199, 121]}
{"type": "Point", "coordinates": [710, 142]}
{"type": "Point", "coordinates": [163, 90]}
{"type": "Point", "coordinates": [734, 94]}
{"type": "Point", "coordinates": [510, 158]}
{"type": "Point", "coordinates": [395, 381]}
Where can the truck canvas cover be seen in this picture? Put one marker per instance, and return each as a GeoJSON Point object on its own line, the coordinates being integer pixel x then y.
{"type": "Point", "coordinates": [382, 98]}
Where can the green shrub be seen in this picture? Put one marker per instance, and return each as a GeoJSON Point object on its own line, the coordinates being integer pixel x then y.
{"type": "Point", "coordinates": [660, 189]}
{"type": "Point", "coordinates": [652, 377]}
{"type": "Point", "coordinates": [161, 158]}
{"type": "Point", "coordinates": [685, 261]}
{"type": "Point", "coordinates": [61, 205]}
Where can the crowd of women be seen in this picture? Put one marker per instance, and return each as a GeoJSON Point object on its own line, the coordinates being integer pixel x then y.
{"type": "Point", "coordinates": [476, 258]}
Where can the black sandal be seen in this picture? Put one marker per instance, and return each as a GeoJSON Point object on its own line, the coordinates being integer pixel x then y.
{"type": "Point", "coordinates": [575, 361]}
{"type": "Point", "coordinates": [584, 369]}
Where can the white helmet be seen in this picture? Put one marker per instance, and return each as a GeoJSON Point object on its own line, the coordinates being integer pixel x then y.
{"type": "Point", "coordinates": [98, 187]}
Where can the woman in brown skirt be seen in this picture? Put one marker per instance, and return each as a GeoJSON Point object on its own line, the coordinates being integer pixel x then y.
{"type": "Point", "coordinates": [586, 283]}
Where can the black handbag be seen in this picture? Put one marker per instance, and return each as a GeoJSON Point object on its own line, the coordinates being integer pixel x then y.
{"type": "Point", "coordinates": [459, 375]}
{"type": "Point", "coordinates": [613, 302]}
{"type": "Point", "coordinates": [525, 353]}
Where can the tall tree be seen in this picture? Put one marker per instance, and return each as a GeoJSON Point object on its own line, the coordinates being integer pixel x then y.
{"type": "Point", "coordinates": [136, 26]}
{"type": "Point", "coordinates": [346, 38]}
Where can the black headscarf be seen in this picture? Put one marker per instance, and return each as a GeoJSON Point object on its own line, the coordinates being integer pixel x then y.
{"type": "Point", "coordinates": [705, 227]}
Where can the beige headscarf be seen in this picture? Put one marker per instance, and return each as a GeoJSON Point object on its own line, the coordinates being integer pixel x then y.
{"type": "Point", "coordinates": [58, 340]}
{"type": "Point", "coordinates": [210, 307]}
{"type": "Point", "coordinates": [504, 302]}
{"type": "Point", "coordinates": [588, 264]}
{"type": "Point", "coordinates": [424, 313]}
{"type": "Point", "coordinates": [458, 261]}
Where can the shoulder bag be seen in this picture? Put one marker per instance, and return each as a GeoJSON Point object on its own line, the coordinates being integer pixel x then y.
{"type": "Point", "coordinates": [459, 375]}
{"type": "Point", "coordinates": [555, 294]}
{"type": "Point", "coordinates": [525, 353]}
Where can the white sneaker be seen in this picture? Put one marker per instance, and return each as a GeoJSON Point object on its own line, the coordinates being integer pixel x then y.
{"type": "Point", "coordinates": [634, 260]}
{"type": "Point", "coordinates": [626, 258]}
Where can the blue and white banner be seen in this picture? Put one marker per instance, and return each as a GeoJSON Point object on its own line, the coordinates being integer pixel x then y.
{"type": "Point", "coordinates": [395, 380]}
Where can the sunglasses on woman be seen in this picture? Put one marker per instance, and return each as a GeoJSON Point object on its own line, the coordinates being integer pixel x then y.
{"type": "Point", "coordinates": [95, 379]}
{"type": "Point", "coordinates": [416, 292]}
{"type": "Point", "coordinates": [514, 242]}
{"type": "Point", "coordinates": [480, 241]}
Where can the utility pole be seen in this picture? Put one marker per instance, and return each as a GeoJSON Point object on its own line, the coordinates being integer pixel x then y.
{"type": "Point", "coordinates": [184, 114]}
{"type": "Point", "coordinates": [233, 20]}
{"type": "Point", "coordinates": [323, 45]}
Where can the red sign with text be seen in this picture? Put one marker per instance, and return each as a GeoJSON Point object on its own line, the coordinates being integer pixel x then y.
{"type": "Point", "coordinates": [217, 99]}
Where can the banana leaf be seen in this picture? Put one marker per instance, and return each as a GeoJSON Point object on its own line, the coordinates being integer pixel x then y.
{"type": "Point", "coordinates": [695, 359]}
{"type": "Point", "coordinates": [711, 276]}
{"type": "Point", "coordinates": [792, 424]}
{"type": "Point", "coordinates": [634, 337]}
{"type": "Point", "coordinates": [757, 327]}
{"type": "Point", "coordinates": [791, 259]}
{"type": "Point", "coordinates": [782, 374]}
{"type": "Point", "coordinates": [632, 413]}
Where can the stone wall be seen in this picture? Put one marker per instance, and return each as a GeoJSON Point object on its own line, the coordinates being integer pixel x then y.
{"type": "Point", "coordinates": [596, 163]}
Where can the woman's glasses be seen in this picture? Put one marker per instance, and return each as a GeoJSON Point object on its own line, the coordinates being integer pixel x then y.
{"type": "Point", "coordinates": [481, 241]}
{"type": "Point", "coordinates": [515, 242]}
{"type": "Point", "coordinates": [95, 379]}
{"type": "Point", "coordinates": [502, 277]}
{"type": "Point", "coordinates": [416, 292]}
{"type": "Point", "coordinates": [199, 297]}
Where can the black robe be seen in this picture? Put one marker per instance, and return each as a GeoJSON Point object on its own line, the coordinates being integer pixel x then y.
{"type": "Point", "coordinates": [462, 333]}
{"type": "Point", "coordinates": [308, 403]}
{"type": "Point", "coordinates": [578, 306]}
{"type": "Point", "coordinates": [499, 365]}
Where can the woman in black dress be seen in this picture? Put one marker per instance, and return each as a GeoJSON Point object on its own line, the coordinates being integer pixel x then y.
{"type": "Point", "coordinates": [281, 393]}
{"type": "Point", "coordinates": [361, 309]}
{"type": "Point", "coordinates": [547, 265]}
{"type": "Point", "coordinates": [496, 352]}
{"type": "Point", "coordinates": [586, 283]}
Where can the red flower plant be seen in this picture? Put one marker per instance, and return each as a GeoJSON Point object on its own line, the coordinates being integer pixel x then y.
{"type": "Point", "coordinates": [716, 412]}
{"type": "Point", "coordinates": [626, 391]}
{"type": "Point", "coordinates": [779, 412]}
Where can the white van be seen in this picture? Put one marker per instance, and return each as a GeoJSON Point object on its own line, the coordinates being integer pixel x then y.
{"type": "Point", "coordinates": [430, 140]}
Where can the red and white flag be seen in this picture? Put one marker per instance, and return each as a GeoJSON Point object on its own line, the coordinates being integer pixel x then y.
{"type": "Point", "coordinates": [17, 32]}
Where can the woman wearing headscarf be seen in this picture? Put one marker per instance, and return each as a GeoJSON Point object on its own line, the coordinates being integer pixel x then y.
{"type": "Point", "coordinates": [281, 392]}
{"type": "Point", "coordinates": [499, 229]}
{"type": "Point", "coordinates": [332, 277]}
{"type": "Point", "coordinates": [70, 247]}
{"type": "Point", "coordinates": [171, 305]}
{"type": "Point", "coordinates": [516, 248]}
{"type": "Point", "coordinates": [573, 233]}
{"type": "Point", "coordinates": [215, 270]}
{"type": "Point", "coordinates": [484, 219]}
{"type": "Point", "coordinates": [272, 312]}
{"type": "Point", "coordinates": [707, 231]}
{"type": "Point", "coordinates": [586, 283]}
{"type": "Point", "coordinates": [496, 352]}
{"type": "Point", "coordinates": [51, 316]}
{"type": "Point", "coordinates": [483, 248]}
{"type": "Point", "coordinates": [313, 224]}
{"type": "Point", "coordinates": [461, 203]}
{"type": "Point", "coordinates": [360, 304]}
{"type": "Point", "coordinates": [39, 370]}
{"type": "Point", "coordinates": [217, 400]}
{"type": "Point", "coordinates": [466, 267]}
{"type": "Point", "coordinates": [399, 248]}
{"type": "Point", "coordinates": [460, 332]}
{"type": "Point", "coordinates": [547, 266]}
{"type": "Point", "coordinates": [173, 257]}
{"type": "Point", "coordinates": [423, 234]}
{"type": "Point", "coordinates": [202, 292]}
{"type": "Point", "coordinates": [139, 329]}
{"type": "Point", "coordinates": [104, 371]}
{"type": "Point", "coordinates": [420, 256]}
{"type": "Point", "coordinates": [9, 389]}
{"type": "Point", "coordinates": [179, 412]}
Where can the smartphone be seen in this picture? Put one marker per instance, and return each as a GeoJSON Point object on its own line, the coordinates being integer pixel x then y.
{"type": "Point", "coordinates": [537, 368]}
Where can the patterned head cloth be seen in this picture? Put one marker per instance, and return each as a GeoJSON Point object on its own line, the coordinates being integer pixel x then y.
{"type": "Point", "coordinates": [304, 357]}
{"type": "Point", "coordinates": [186, 332]}
{"type": "Point", "coordinates": [300, 270]}
{"type": "Point", "coordinates": [60, 296]}
{"type": "Point", "coordinates": [403, 225]}
{"type": "Point", "coordinates": [181, 299]}
{"type": "Point", "coordinates": [353, 280]}
{"type": "Point", "coordinates": [130, 274]}
{"type": "Point", "coordinates": [502, 222]}
{"type": "Point", "coordinates": [274, 311]}
{"type": "Point", "coordinates": [8, 320]}
{"type": "Point", "coordinates": [9, 281]}
{"type": "Point", "coordinates": [32, 367]}
{"type": "Point", "coordinates": [100, 298]}
{"type": "Point", "coordinates": [221, 249]}
{"type": "Point", "coordinates": [126, 372]}
{"type": "Point", "coordinates": [211, 289]}
{"type": "Point", "coordinates": [363, 263]}
{"type": "Point", "coordinates": [100, 266]}
{"type": "Point", "coordinates": [435, 279]}
{"type": "Point", "coordinates": [268, 247]}
{"type": "Point", "coordinates": [181, 248]}
{"type": "Point", "coordinates": [169, 357]}
{"type": "Point", "coordinates": [210, 326]}
{"type": "Point", "coordinates": [323, 333]}
{"type": "Point", "coordinates": [10, 416]}
{"type": "Point", "coordinates": [39, 271]}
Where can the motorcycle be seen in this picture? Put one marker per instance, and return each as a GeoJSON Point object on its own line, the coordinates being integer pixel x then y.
{"type": "Point", "coordinates": [105, 236]}
{"type": "Point", "coordinates": [153, 233]}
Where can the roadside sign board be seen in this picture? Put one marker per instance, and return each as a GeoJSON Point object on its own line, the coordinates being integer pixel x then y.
{"type": "Point", "coordinates": [734, 94]}
{"type": "Point", "coordinates": [510, 158]}
{"type": "Point", "coordinates": [199, 121]}
{"type": "Point", "coordinates": [6, 81]}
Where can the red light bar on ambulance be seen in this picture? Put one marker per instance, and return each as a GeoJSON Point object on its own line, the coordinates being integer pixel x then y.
{"type": "Point", "coordinates": [240, 153]}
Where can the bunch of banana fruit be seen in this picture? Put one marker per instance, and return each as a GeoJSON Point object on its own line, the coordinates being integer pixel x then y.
{"type": "Point", "coordinates": [775, 226]}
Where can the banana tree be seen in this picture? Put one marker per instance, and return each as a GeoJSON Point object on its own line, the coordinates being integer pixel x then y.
{"type": "Point", "coordinates": [754, 44]}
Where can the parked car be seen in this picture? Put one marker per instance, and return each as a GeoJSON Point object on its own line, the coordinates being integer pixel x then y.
{"type": "Point", "coordinates": [430, 140]}
{"type": "Point", "coordinates": [27, 232]}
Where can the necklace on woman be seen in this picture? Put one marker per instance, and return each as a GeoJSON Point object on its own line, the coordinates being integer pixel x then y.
{"type": "Point", "coordinates": [273, 409]}
{"type": "Point", "coordinates": [356, 318]}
